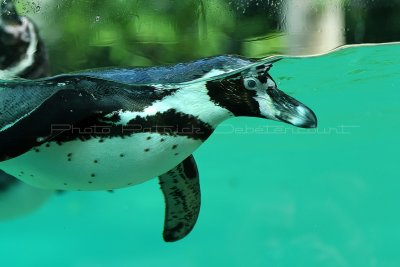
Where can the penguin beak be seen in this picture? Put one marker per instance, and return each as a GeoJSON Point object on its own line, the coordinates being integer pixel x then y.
{"type": "Point", "coordinates": [289, 110]}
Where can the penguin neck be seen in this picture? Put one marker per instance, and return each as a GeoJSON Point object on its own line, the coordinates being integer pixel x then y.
{"type": "Point", "coordinates": [195, 100]}
{"type": "Point", "coordinates": [190, 100]}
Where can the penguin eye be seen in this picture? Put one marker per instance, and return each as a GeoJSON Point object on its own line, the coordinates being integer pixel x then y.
{"type": "Point", "coordinates": [250, 83]}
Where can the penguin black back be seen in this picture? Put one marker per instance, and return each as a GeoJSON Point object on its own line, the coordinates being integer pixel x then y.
{"type": "Point", "coordinates": [182, 72]}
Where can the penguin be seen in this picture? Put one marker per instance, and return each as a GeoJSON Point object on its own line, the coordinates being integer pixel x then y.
{"type": "Point", "coordinates": [99, 130]}
{"type": "Point", "coordinates": [22, 55]}
{"type": "Point", "coordinates": [178, 73]}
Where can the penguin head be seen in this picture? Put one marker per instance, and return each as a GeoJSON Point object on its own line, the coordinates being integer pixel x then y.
{"type": "Point", "coordinates": [254, 93]}
{"type": "Point", "coordinates": [22, 50]}
{"type": "Point", "coordinates": [13, 29]}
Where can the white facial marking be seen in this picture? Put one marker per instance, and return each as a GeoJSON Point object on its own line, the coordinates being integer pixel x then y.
{"type": "Point", "coordinates": [29, 56]}
{"type": "Point", "coordinates": [267, 108]}
{"type": "Point", "coordinates": [270, 83]}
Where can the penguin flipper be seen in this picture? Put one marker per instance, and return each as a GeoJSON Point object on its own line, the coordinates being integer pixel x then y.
{"type": "Point", "coordinates": [6, 181]}
{"type": "Point", "coordinates": [181, 189]}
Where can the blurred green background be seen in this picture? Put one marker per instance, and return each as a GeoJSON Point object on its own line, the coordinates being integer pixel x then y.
{"type": "Point", "coordinates": [84, 34]}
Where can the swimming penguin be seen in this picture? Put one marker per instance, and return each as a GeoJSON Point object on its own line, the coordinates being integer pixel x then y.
{"type": "Point", "coordinates": [90, 131]}
{"type": "Point", "coordinates": [22, 54]}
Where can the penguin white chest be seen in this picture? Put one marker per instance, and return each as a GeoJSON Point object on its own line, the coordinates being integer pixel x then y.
{"type": "Point", "coordinates": [101, 164]}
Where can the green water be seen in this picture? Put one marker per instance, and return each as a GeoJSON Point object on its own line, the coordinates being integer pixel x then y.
{"type": "Point", "coordinates": [272, 195]}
